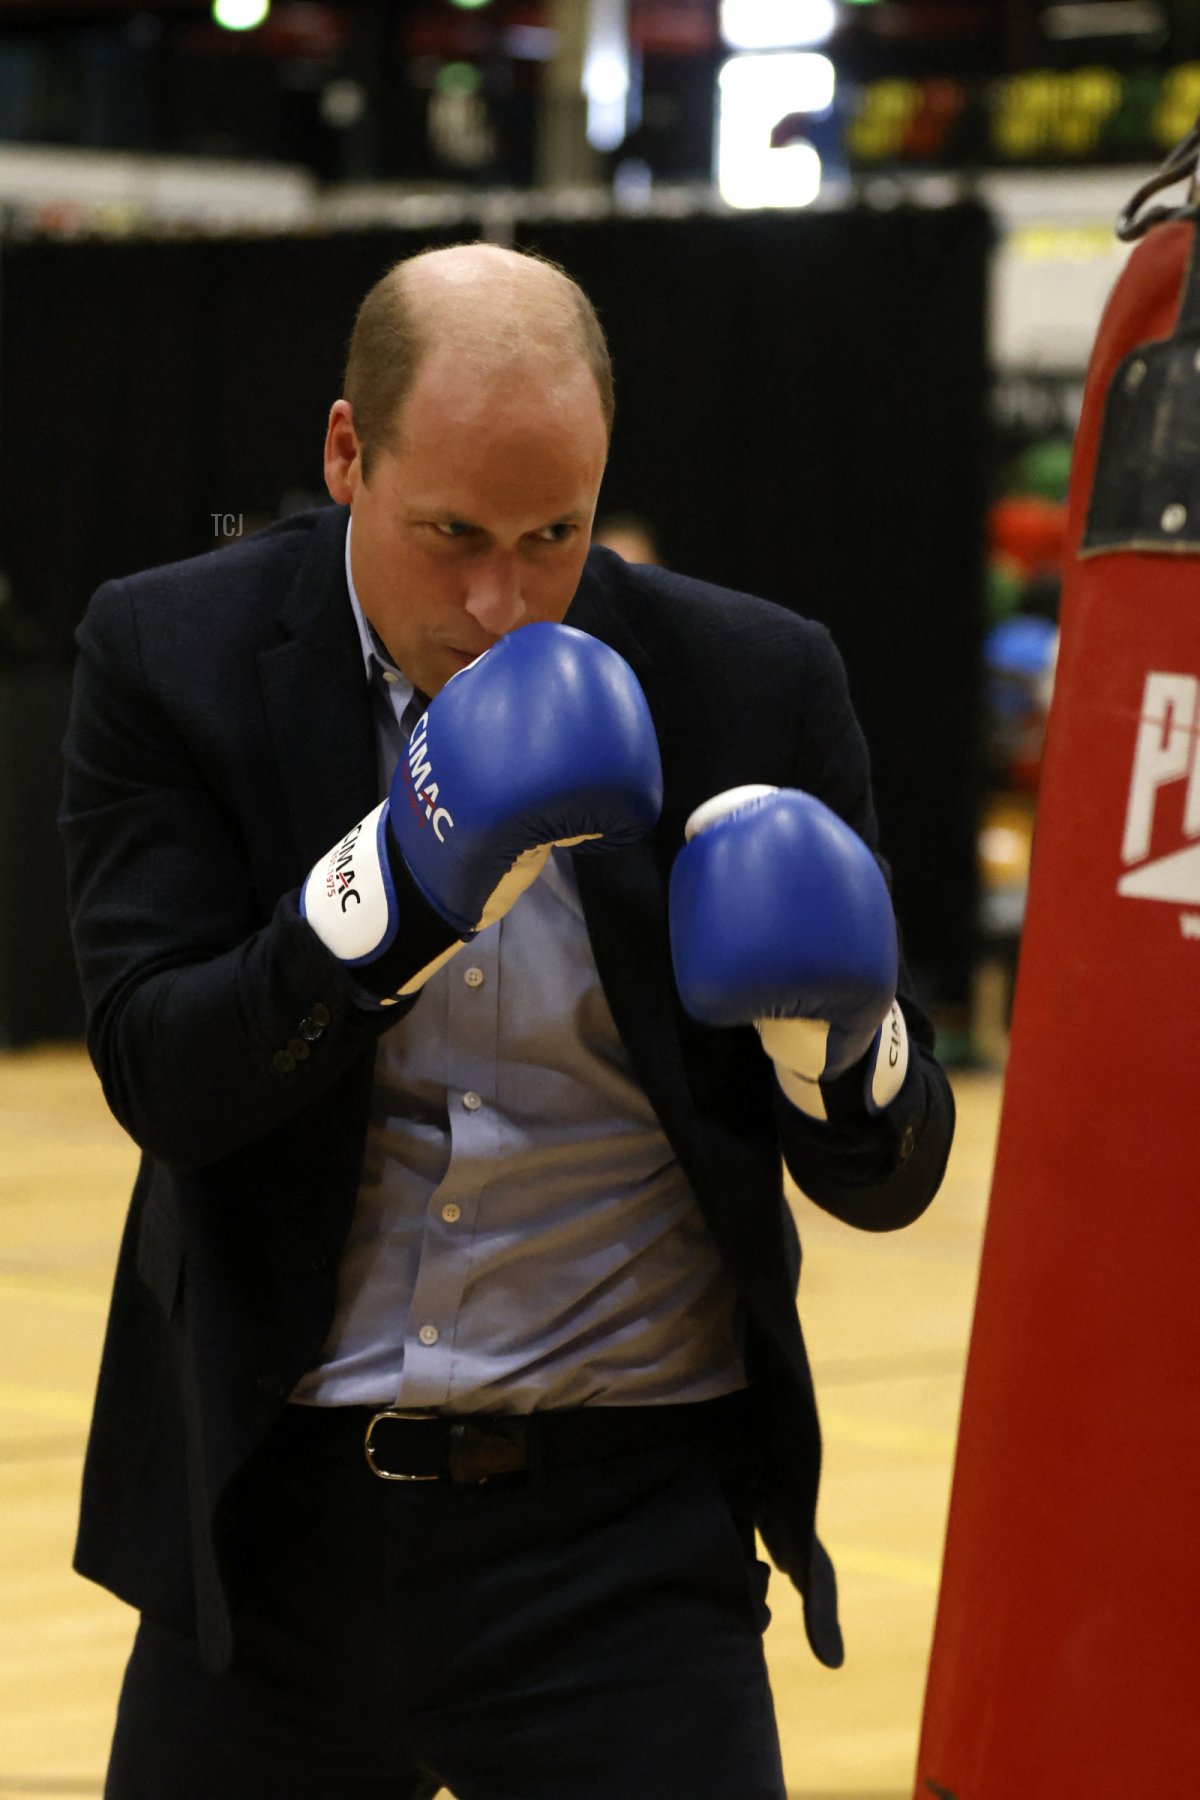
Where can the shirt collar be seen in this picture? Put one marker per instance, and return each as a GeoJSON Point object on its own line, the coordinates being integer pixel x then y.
{"type": "Point", "coordinates": [375, 656]}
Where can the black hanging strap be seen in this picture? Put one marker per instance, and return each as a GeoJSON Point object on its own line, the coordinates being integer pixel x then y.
{"type": "Point", "coordinates": [1180, 165]}
{"type": "Point", "coordinates": [1146, 490]}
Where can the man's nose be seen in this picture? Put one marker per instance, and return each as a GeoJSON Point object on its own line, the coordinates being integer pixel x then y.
{"type": "Point", "coordinates": [494, 596]}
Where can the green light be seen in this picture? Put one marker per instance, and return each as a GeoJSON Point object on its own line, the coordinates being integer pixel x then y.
{"type": "Point", "coordinates": [471, 5]}
{"type": "Point", "coordinates": [240, 15]}
{"type": "Point", "coordinates": [458, 78]}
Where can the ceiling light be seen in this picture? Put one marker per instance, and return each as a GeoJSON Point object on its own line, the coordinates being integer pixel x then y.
{"type": "Point", "coordinates": [240, 15]}
{"type": "Point", "coordinates": [777, 24]}
{"type": "Point", "coordinates": [756, 93]}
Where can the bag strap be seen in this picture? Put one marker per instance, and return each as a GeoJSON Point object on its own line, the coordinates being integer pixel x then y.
{"type": "Point", "coordinates": [1183, 162]}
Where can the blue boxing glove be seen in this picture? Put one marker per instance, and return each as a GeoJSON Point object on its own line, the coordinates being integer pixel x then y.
{"type": "Point", "coordinates": [546, 739]}
{"type": "Point", "coordinates": [781, 918]}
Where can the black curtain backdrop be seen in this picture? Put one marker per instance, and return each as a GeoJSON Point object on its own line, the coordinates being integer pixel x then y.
{"type": "Point", "coordinates": [39, 996]}
{"type": "Point", "coordinates": [146, 386]}
{"type": "Point", "coordinates": [800, 414]}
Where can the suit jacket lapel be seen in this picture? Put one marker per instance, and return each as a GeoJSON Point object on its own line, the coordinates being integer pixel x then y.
{"type": "Point", "coordinates": [624, 896]}
{"type": "Point", "coordinates": [317, 699]}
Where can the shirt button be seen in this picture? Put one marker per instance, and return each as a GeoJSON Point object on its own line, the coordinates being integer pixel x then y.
{"type": "Point", "coordinates": [473, 977]}
{"type": "Point", "coordinates": [472, 1102]}
{"type": "Point", "coordinates": [451, 1213]}
{"type": "Point", "coordinates": [428, 1334]}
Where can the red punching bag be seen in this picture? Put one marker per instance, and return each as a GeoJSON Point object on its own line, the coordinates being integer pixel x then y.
{"type": "Point", "coordinates": [1066, 1656]}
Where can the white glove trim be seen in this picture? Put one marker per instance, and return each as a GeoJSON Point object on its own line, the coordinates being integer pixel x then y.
{"type": "Point", "coordinates": [797, 1048]}
{"type": "Point", "coordinates": [886, 1074]}
{"type": "Point", "coordinates": [348, 897]}
{"type": "Point", "coordinates": [720, 805]}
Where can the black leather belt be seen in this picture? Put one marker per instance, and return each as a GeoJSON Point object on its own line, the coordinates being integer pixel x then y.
{"type": "Point", "coordinates": [469, 1449]}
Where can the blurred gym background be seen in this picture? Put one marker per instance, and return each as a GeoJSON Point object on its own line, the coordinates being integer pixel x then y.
{"type": "Point", "coordinates": [851, 255]}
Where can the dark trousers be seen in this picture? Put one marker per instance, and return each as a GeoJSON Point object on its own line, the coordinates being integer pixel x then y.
{"type": "Point", "coordinates": [582, 1633]}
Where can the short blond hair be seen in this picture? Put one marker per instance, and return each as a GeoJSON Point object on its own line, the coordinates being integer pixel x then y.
{"type": "Point", "coordinates": [393, 333]}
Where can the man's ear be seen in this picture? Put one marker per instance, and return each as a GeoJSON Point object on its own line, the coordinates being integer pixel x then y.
{"type": "Point", "coordinates": [343, 454]}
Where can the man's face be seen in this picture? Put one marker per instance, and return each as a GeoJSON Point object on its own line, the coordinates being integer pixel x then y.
{"type": "Point", "coordinates": [479, 521]}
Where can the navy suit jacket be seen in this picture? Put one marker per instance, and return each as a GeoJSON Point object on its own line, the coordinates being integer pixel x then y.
{"type": "Point", "coordinates": [220, 740]}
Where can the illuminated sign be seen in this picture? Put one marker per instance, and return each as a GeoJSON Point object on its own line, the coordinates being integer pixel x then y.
{"type": "Point", "coordinates": [1042, 116]}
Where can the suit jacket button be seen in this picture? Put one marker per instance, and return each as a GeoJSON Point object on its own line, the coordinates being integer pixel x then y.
{"type": "Point", "coordinates": [320, 1014]}
{"type": "Point", "coordinates": [907, 1143]}
{"type": "Point", "coordinates": [270, 1386]}
{"type": "Point", "coordinates": [283, 1062]}
{"type": "Point", "coordinates": [309, 1030]}
{"type": "Point", "coordinates": [297, 1049]}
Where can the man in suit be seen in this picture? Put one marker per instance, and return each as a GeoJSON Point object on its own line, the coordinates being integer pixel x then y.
{"type": "Point", "coordinates": [453, 1356]}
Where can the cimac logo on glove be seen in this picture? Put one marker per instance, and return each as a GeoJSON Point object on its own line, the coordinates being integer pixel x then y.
{"type": "Point", "coordinates": [1166, 763]}
{"type": "Point", "coordinates": [423, 797]}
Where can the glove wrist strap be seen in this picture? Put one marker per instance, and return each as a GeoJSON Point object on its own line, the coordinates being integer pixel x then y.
{"type": "Point", "coordinates": [369, 912]}
{"type": "Point", "coordinates": [797, 1048]}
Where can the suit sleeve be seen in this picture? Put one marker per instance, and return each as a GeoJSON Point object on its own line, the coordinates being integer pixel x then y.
{"type": "Point", "coordinates": [212, 1019]}
{"type": "Point", "coordinates": [876, 1173]}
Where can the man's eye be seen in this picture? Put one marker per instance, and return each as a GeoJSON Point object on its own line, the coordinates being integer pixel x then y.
{"type": "Point", "coordinates": [556, 534]}
{"type": "Point", "coordinates": [452, 528]}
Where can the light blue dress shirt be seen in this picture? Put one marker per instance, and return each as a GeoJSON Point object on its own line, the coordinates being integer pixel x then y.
{"type": "Point", "coordinates": [523, 1235]}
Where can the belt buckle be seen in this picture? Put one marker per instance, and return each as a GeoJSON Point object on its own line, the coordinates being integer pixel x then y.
{"type": "Point", "coordinates": [392, 1412]}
